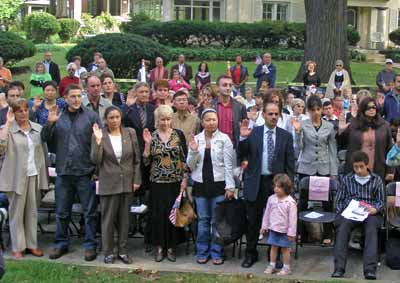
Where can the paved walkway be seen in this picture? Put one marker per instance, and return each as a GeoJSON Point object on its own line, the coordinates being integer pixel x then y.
{"type": "Point", "coordinates": [314, 263]}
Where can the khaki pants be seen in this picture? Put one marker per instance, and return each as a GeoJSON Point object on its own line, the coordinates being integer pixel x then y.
{"type": "Point", "coordinates": [115, 211]}
{"type": "Point", "coordinates": [23, 216]}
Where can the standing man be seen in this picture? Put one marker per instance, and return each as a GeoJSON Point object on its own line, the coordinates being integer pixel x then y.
{"type": "Point", "coordinates": [159, 72]}
{"type": "Point", "coordinates": [182, 119]}
{"type": "Point", "coordinates": [385, 77]}
{"type": "Point", "coordinates": [102, 68]}
{"type": "Point", "coordinates": [266, 71]}
{"type": "Point", "coordinates": [71, 132]}
{"type": "Point", "coordinates": [5, 75]}
{"type": "Point", "coordinates": [185, 70]}
{"type": "Point", "coordinates": [230, 112]}
{"type": "Point", "coordinates": [51, 67]}
{"type": "Point", "coordinates": [69, 79]}
{"type": "Point", "coordinates": [240, 75]}
{"type": "Point", "coordinates": [93, 100]}
{"type": "Point", "coordinates": [269, 151]}
{"type": "Point", "coordinates": [391, 105]}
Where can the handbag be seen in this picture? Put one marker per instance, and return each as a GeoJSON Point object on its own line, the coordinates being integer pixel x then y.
{"type": "Point", "coordinates": [185, 214]}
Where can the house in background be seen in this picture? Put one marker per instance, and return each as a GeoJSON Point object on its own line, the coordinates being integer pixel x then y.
{"type": "Point", "coordinates": [31, 6]}
{"type": "Point", "coordinates": [374, 19]}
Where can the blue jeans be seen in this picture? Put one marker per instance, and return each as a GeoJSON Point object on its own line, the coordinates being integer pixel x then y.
{"type": "Point", "coordinates": [66, 189]}
{"type": "Point", "coordinates": [205, 242]}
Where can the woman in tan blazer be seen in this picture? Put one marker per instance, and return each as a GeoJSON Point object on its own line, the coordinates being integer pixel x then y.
{"type": "Point", "coordinates": [23, 174]}
{"type": "Point", "coordinates": [115, 151]}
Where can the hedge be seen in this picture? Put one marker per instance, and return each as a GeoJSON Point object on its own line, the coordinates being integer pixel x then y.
{"type": "Point", "coordinates": [393, 54]}
{"type": "Point", "coordinates": [69, 28]}
{"type": "Point", "coordinates": [122, 52]}
{"type": "Point", "coordinates": [264, 34]}
{"type": "Point", "coordinates": [40, 26]}
{"type": "Point", "coordinates": [394, 36]}
{"type": "Point", "coordinates": [14, 48]}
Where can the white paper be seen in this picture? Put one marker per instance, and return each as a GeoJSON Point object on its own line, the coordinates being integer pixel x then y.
{"type": "Point", "coordinates": [313, 215]}
{"type": "Point", "coordinates": [138, 209]}
{"type": "Point", "coordinates": [355, 211]}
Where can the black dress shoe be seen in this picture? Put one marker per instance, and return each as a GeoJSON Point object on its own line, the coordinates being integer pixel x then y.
{"type": "Point", "coordinates": [159, 255]}
{"type": "Point", "coordinates": [171, 255]}
{"type": "Point", "coordinates": [338, 274]}
{"type": "Point", "coordinates": [125, 258]}
{"type": "Point", "coordinates": [248, 262]}
{"type": "Point", "coordinates": [370, 275]}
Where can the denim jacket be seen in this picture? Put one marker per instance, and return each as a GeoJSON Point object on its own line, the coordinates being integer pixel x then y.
{"type": "Point", "coordinates": [72, 139]}
{"type": "Point", "coordinates": [221, 157]}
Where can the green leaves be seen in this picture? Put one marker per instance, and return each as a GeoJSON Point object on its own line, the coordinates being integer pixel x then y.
{"type": "Point", "coordinates": [40, 26]}
{"type": "Point", "coordinates": [14, 48]}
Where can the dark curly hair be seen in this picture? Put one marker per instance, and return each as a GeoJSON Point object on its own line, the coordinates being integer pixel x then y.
{"type": "Point", "coordinates": [363, 122]}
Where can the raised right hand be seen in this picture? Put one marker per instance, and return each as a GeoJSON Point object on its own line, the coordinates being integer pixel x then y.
{"type": "Point", "coordinates": [244, 128]}
{"type": "Point", "coordinates": [342, 122]}
{"type": "Point", "coordinates": [130, 100]}
{"type": "Point", "coordinates": [98, 133]}
{"type": "Point", "coordinates": [36, 102]}
{"type": "Point", "coordinates": [193, 145]}
{"type": "Point", "coordinates": [53, 115]}
{"type": "Point", "coordinates": [10, 116]}
{"type": "Point", "coordinates": [147, 136]}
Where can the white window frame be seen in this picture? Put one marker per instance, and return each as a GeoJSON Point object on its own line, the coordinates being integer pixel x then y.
{"type": "Point", "coordinates": [354, 10]}
{"type": "Point", "coordinates": [194, 4]}
{"type": "Point", "coordinates": [275, 10]}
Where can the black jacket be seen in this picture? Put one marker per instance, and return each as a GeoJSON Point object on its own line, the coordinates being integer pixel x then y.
{"type": "Point", "coordinates": [54, 72]}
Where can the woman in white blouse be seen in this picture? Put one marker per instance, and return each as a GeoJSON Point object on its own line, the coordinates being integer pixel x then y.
{"type": "Point", "coordinates": [115, 150]}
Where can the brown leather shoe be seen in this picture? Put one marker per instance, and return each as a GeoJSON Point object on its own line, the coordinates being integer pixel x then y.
{"type": "Point", "coordinates": [35, 252]}
{"type": "Point", "coordinates": [57, 253]}
{"type": "Point", "coordinates": [17, 255]}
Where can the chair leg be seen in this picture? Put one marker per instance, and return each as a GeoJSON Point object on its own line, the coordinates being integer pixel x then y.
{"type": "Point", "coordinates": [240, 247]}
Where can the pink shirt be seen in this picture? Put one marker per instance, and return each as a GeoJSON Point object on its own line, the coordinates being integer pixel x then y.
{"type": "Point", "coordinates": [175, 86]}
{"type": "Point", "coordinates": [225, 118]}
{"type": "Point", "coordinates": [280, 215]}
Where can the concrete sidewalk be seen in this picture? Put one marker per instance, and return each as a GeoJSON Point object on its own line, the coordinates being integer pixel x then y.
{"type": "Point", "coordinates": [314, 263]}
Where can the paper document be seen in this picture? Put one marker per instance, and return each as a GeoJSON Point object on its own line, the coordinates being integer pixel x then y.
{"type": "Point", "coordinates": [356, 210]}
{"type": "Point", "coordinates": [313, 215]}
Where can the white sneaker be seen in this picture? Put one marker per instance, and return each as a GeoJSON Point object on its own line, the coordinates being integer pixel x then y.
{"type": "Point", "coordinates": [284, 272]}
{"type": "Point", "coordinates": [270, 270]}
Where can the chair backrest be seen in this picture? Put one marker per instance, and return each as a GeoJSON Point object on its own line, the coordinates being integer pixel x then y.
{"type": "Point", "coordinates": [304, 192]}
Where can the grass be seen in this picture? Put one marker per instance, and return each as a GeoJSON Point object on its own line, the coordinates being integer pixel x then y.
{"type": "Point", "coordinates": [38, 271]}
{"type": "Point", "coordinates": [363, 73]}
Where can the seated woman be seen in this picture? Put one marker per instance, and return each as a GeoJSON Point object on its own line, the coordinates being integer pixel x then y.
{"type": "Point", "coordinates": [210, 159]}
{"type": "Point", "coordinates": [177, 82]}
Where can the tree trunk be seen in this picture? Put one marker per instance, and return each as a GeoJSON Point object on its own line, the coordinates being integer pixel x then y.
{"type": "Point", "coordinates": [326, 37]}
{"type": "Point", "coordinates": [52, 7]}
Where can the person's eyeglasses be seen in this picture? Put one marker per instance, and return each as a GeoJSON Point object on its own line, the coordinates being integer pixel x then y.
{"type": "Point", "coordinates": [371, 107]}
{"type": "Point", "coordinates": [339, 65]}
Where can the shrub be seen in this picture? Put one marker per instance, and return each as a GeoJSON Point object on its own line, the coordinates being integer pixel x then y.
{"type": "Point", "coordinates": [353, 37]}
{"type": "Point", "coordinates": [69, 28]}
{"type": "Point", "coordinates": [265, 34]}
{"type": "Point", "coordinates": [14, 48]}
{"type": "Point", "coordinates": [88, 25]}
{"type": "Point", "coordinates": [135, 22]}
{"type": "Point", "coordinates": [393, 54]}
{"type": "Point", "coordinates": [107, 21]}
{"type": "Point", "coordinates": [357, 56]}
{"type": "Point", "coordinates": [222, 54]}
{"type": "Point", "coordinates": [40, 26]}
{"type": "Point", "coordinates": [122, 52]}
{"type": "Point", "coordinates": [394, 36]}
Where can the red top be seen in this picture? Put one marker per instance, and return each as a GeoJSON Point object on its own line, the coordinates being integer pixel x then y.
{"type": "Point", "coordinates": [337, 112]}
{"type": "Point", "coordinates": [225, 118]}
{"type": "Point", "coordinates": [236, 75]}
{"type": "Point", "coordinates": [66, 81]}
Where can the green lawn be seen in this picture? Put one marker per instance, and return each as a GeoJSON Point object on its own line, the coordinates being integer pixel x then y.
{"type": "Point", "coordinates": [28, 271]}
{"type": "Point", "coordinates": [363, 73]}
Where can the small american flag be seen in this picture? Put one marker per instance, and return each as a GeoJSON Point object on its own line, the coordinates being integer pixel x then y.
{"type": "Point", "coordinates": [175, 207]}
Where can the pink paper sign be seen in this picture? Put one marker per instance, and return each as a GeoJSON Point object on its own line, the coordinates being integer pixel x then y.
{"type": "Point", "coordinates": [319, 188]}
{"type": "Point", "coordinates": [397, 204]}
{"type": "Point", "coordinates": [52, 172]}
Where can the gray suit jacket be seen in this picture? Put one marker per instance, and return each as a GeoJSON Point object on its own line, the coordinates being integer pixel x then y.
{"type": "Point", "coordinates": [117, 177]}
{"type": "Point", "coordinates": [318, 151]}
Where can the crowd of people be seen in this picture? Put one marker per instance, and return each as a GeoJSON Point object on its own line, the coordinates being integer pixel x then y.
{"type": "Point", "coordinates": [168, 134]}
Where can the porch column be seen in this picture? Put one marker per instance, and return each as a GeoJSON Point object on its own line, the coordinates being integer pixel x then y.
{"type": "Point", "coordinates": [380, 27]}
{"type": "Point", "coordinates": [77, 10]}
{"type": "Point", "coordinates": [167, 10]}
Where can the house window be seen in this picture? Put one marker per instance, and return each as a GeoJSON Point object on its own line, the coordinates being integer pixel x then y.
{"type": "Point", "coordinates": [398, 19]}
{"type": "Point", "coordinates": [352, 17]}
{"type": "Point", "coordinates": [275, 11]}
{"type": "Point", "coordinates": [197, 10]}
{"type": "Point", "coordinates": [152, 8]}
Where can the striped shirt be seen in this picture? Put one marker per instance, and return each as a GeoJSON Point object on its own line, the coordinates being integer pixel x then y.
{"type": "Point", "coordinates": [371, 192]}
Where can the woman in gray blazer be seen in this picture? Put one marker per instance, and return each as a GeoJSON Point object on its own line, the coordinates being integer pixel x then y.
{"type": "Point", "coordinates": [315, 138]}
{"type": "Point", "coordinates": [23, 174]}
{"type": "Point", "coordinates": [115, 150]}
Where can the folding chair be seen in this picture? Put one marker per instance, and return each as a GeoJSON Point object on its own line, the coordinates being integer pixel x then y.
{"type": "Point", "coordinates": [325, 217]}
{"type": "Point", "coordinates": [392, 218]}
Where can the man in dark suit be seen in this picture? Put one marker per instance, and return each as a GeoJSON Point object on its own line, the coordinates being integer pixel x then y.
{"type": "Point", "coordinates": [269, 151]}
{"type": "Point", "coordinates": [265, 71]}
{"type": "Point", "coordinates": [51, 67]}
{"type": "Point", "coordinates": [185, 70]}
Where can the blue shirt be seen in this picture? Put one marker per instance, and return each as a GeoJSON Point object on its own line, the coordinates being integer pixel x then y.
{"type": "Point", "coordinates": [42, 113]}
{"type": "Point", "coordinates": [264, 165]}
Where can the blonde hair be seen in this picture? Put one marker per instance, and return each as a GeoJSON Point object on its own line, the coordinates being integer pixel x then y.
{"type": "Point", "coordinates": [162, 111]}
{"type": "Point", "coordinates": [297, 101]}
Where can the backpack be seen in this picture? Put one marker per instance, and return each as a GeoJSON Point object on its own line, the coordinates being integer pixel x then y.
{"type": "Point", "coordinates": [392, 250]}
{"type": "Point", "coordinates": [230, 221]}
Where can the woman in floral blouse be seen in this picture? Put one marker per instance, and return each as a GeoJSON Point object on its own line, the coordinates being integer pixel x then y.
{"type": "Point", "coordinates": [165, 151]}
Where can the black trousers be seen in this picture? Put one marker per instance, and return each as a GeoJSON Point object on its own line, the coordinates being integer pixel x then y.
{"type": "Point", "coordinates": [255, 211]}
{"type": "Point", "coordinates": [344, 227]}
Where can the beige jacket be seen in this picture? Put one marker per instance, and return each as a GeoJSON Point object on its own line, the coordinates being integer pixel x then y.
{"type": "Point", "coordinates": [14, 149]}
{"type": "Point", "coordinates": [331, 84]}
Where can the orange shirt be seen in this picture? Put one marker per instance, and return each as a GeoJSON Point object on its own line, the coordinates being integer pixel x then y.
{"type": "Point", "coordinates": [6, 74]}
